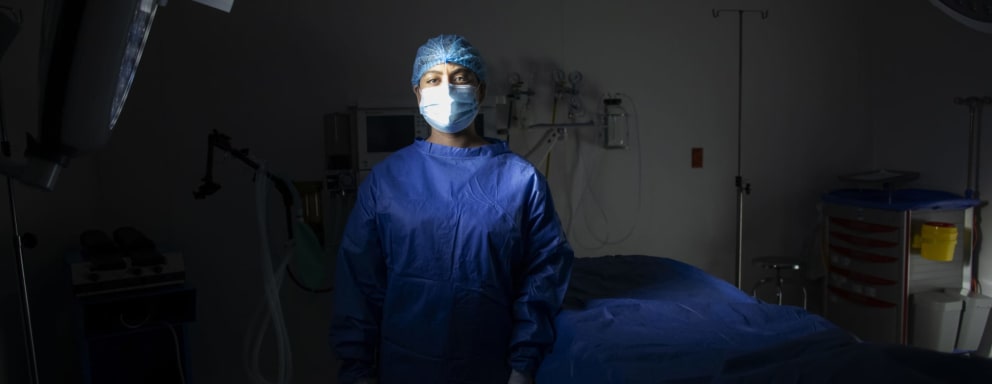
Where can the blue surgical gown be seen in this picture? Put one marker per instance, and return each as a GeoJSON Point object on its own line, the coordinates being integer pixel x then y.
{"type": "Point", "coordinates": [451, 269]}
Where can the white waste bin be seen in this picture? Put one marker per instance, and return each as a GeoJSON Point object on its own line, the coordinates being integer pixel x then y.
{"type": "Point", "coordinates": [973, 318]}
{"type": "Point", "coordinates": [935, 317]}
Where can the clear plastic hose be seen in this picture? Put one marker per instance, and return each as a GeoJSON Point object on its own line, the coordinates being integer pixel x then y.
{"type": "Point", "coordinates": [272, 278]}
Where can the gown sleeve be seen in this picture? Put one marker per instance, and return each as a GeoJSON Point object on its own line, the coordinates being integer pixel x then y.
{"type": "Point", "coordinates": [359, 291]}
{"type": "Point", "coordinates": [541, 281]}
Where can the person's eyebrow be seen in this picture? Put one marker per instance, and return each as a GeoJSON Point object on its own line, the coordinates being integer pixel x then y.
{"type": "Point", "coordinates": [458, 71]}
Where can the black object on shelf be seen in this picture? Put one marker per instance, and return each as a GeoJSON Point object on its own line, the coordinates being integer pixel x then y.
{"type": "Point", "coordinates": [102, 252]}
{"type": "Point", "coordinates": [882, 178]}
{"type": "Point", "coordinates": [137, 247]}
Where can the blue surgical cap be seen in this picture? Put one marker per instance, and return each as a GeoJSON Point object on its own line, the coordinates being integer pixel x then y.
{"type": "Point", "coordinates": [447, 49]}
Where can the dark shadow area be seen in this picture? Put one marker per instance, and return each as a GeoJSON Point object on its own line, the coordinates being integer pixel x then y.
{"type": "Point", "coordinates": [644, 277]}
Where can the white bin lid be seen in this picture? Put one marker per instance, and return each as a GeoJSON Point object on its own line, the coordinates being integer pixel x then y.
{"type": "Point", "coordinates": [939, 301]}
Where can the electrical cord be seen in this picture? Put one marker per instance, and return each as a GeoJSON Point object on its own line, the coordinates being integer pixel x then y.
{"type": "Point", "coordinates": [603, 241]}
{"type": "Point", "coordinates": [977, 248]}
{"type": "Point", "coordinates": [547, 155]}
{"type": "Point", "coordinates": [139, 324]}
{"type": "Point", "coordinates": [175, 339]}
{"type": "Point", "coordinates": [179, 354]}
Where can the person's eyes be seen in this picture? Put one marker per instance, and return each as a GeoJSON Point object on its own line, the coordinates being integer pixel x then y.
{"type": "Point", "coordinates": [462, 79]}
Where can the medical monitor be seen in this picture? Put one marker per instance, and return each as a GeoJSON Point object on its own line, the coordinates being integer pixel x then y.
{"type": "Point", "coordinates": [382, 131]}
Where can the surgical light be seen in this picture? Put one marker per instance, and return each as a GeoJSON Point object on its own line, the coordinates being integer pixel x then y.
{"type": "Point", "coordinates": [90, 51]}
{"type": "Point", "coordinates": [976, 14]}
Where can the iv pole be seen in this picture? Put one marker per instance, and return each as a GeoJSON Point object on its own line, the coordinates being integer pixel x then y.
{"type": "Point", "coordinates": [975, 105]}
{"type": "Point", "coordinates": [19, 241]}
{"type": "Point", "coordinates": [743, 187]}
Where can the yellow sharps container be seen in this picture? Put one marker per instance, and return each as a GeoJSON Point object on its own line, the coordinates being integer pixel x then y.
{"type": "Point", "coordinates": [937, 241]}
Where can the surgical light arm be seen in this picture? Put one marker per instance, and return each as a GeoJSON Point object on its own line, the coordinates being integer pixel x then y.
{"type": "Point", "coordinates": [209, 187]}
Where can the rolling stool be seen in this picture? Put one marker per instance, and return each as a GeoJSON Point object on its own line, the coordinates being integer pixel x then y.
{"type": "Point", "coordinates": [779, 264]}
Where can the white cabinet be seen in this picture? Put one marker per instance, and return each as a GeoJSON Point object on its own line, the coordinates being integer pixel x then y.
{"type": "Point", "coordinates": [872, 269]}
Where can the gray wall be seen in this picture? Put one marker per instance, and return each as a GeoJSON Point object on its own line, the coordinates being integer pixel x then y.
{"type": "Point", "coordinates": [916, 72]}
{"type": "Point", "coordinates": [830, 87]}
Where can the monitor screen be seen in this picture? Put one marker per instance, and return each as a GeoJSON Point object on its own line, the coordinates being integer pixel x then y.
{"type": "Point", "coordinates": [380, 132]}
{"type": "Point", "coordinates": [389, 133]}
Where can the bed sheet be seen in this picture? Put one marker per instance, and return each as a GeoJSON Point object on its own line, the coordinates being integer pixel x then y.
{"type": "Point", "coordinates": [641, 319]}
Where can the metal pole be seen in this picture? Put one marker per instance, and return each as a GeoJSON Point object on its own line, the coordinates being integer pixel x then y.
{"type": "Point", "coordinates": [743, 187]}
{"type": "Point", "coordinates": [975, 106]}
{"type": "Point", "coordinates": [971, 149]}
{"type": "Point", "coordinates": [22, 283]}
{"type": "Point", "coordinates": [739, 180]}
{"type": "Point", "coordinates": [978, 145]}
{"type": "Point", "coordinates": [976, 247]}
{"type": "Point", "coordinates": [740, 236]}
{"type": "Point", "coordinates": [740, 87]}
{"type": "Point", "coordinates": [23, 288]}
{"type": "Point", "coordinates": [973, 185]}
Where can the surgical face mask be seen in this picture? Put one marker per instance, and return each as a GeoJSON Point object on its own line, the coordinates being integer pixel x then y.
{"type": "Point", "coordinates": [449, 109]}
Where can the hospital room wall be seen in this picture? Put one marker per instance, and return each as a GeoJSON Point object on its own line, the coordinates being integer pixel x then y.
{"type": "Point", "coordinates": [915, 75]}
{"type": "Point", "coordinates": [803, 123]}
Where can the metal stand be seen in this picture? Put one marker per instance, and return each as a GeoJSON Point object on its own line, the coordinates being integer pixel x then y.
{"type": "Point", "coordinates": [975, 106]}
{"type": "Point", "coordinates": [22, 282]}
{"type": "Point", "coordinates": [971, 191]}
{"type": "Point", "coordinates": [22, 286]}
{"type": "Point", "coordinates": [743, 187]}
{"type": "Point", "coordinates": [11, 24]}
{"type": "Point", "coordinates": [778, 264]}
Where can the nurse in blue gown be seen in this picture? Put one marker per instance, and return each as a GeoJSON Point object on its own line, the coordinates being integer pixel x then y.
{"type": "Point", "coordinates": [453, 264]}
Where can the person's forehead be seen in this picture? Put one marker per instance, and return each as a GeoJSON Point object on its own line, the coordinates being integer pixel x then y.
{"type": "Point", "coordinates": [449, 67]}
